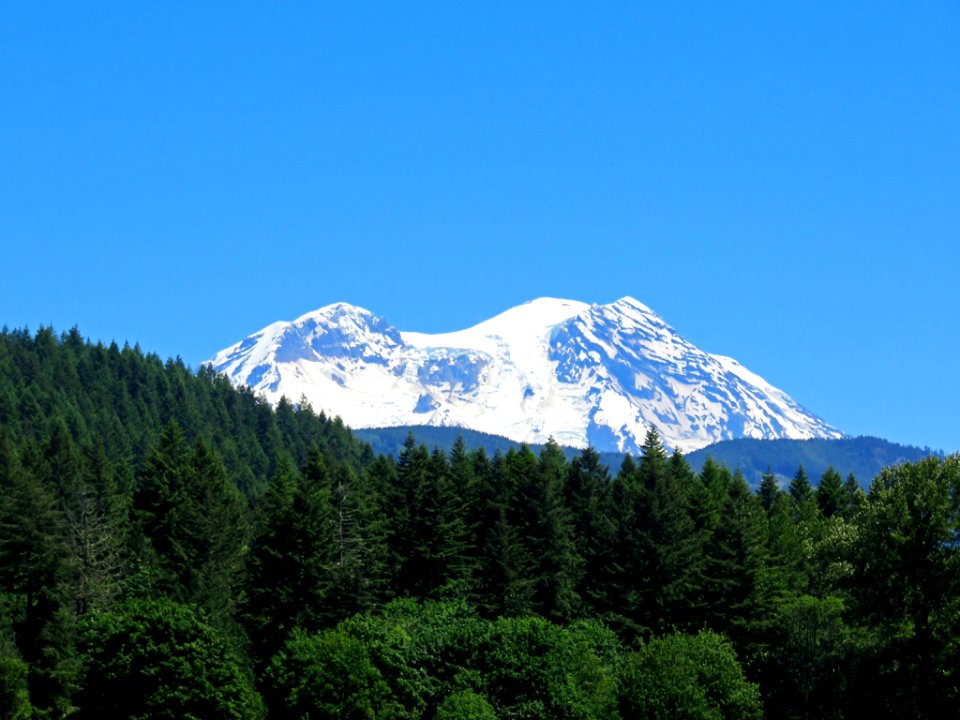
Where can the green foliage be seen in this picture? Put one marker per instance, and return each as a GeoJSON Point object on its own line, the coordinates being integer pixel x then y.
{"type": "Point", "coordinates": [14, 692]}
{"type": "Point", "coordinates": [687, 677]}
{"type": "Point", "coordinates": [123, 398]}
{"type": "Point", "coordinates": [329, 675]}
{"type": "Point", "coordinates": [534, 669]}
{"type": "Point", "coordinates": [465, 705]}
{"type": "Point", "coordinates": [814, 658]}
{"type": "Point", "coordinates": [906, 587]}
{"type": "Point", "coordinates": [195, 519]}
{"type": "Point", "coordinates": [831, 496]}
{"type": "Point", "coordinates": [158, 659]}
{"type": "Point", "coordinates": [399, 663]}
{"type": "Point", "coordinates": [439, 659]}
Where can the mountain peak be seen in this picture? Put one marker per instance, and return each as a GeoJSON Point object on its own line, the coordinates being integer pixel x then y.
{"type": "Point", "coordinates": [583, 374]}
{"type": "Point", "coordinates": [627, 302]}
{"type": "Point", "coordinates": [334, 310]}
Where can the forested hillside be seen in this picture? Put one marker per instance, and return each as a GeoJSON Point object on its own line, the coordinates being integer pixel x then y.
{"type": "Point", "coordinates": [862, 457]}
{"type": "Point", "coordinates": [172, 547]}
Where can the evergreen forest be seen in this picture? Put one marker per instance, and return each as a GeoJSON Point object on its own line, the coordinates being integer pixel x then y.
{"type": "Point", "coordinates": [175, 547]}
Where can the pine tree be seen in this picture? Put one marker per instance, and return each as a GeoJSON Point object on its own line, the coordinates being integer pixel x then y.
{"type": "Point", "coordinates": [316, 551]}
{"type": "Point", "coordinates": [517, 538]}
{"type": "Point", "coordinates": [413, 531]}
{"type": "Point", "coordinates": [561, 567]}
{"type": "Point", "coordinates": [804, 499]}
{"type": "Point", "coordinates": [854, 497]}
{"type": "Point", "coordinates": [467, 488]}
{"type": "Point", "coordinates": [32, 552]}
{"type": "Point", "coordinates": [800, 489]}
{"type": "Point", "coordinates": [274, 568]}
{"type": "Point", "coordinates": [588, 484]}
{"type": "Point", "coordinates": [162, 506]}
{"type": "Point", "coordinates": [95, 559]}
{"type": "Point", "coordinates": [385, 512]}
{"type": "Point", "coordinates": [216, 534]}
{"type": "Point", "coordinates": [769, 492]}
{"type": "Point", "coordinates": [667, 564]}
{"type": "Point", "coordinates": [831, 498]}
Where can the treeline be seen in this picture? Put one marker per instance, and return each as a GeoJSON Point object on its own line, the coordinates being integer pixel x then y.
{"type": "Point", "coordinates": [864, 457]}
{"type": "Point", "coordinates": [119, 399]}
{"type": "Point", "coordinates": [228, 560]}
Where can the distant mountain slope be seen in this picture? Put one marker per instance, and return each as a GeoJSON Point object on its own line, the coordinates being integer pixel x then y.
{"type": "Point", "coordinates": [862, 456]}
{"type": "Point", "coordinates": [582, 374]}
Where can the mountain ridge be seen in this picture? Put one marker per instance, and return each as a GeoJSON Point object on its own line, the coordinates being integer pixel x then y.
{"type": "Point", "coordinates": [583, 374]}
{"type": "Point", "coordinates": [862, 456]}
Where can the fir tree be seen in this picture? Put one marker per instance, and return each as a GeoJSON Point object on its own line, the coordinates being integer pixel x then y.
{"type": "Point", "coordinates": [769, 492]}
{"type": "Point", "coordinates": [831, 498]}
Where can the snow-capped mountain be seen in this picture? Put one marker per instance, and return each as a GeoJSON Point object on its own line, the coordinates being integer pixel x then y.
{"type": "Point", "coordinates": [582, 374]}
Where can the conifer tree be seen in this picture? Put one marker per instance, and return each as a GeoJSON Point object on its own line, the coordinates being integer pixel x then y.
{"type": "Point", "coordinates": [854, 496]}
{"type": "Point", "coordinates": [162, 506]}
{"type": "Point", "coordinates": [561, 566]}
{"type": "Point", "coordinates": [588, 485]}
{"type": "Point", "coordinates": [95, 541]}
{"type": "Point", "coordinates": [274, 567]}
{"type": "Point", "coordinates": [769, 492]}
{"type": "Point", "coordinates": [800, 489]}
{"type": "Point", "coordinates": [738, 590]}
{"type": "Point", "coordinates": [831, 498]}
{"type": "Point", "coordinates": [216, 533]}
{"type": "Point", "coordinates": [468, 491]}
{"type": "Point", "coordinates": [668, 564]}
{"type": "Point", "coordinates": [386, 513]}
{"type": "Point", "coordinates": [314, 524]}
{"type": "Point", "coordinates": [419, 480]}
{"type": "Point", "coordinates": [32, 552]}
{"type": "Point", "coordinates": [804, 498]}
{"type": "Point", "coordinates": [517, 538]}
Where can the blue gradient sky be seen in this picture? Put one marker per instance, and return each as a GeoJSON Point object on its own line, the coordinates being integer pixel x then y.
{"type": "Point", "coordinates": [780, 181]}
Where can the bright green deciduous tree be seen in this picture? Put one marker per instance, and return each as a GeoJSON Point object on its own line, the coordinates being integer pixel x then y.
{"type": "Point", "coordinates": [157, 659]}
{"type": "Point", "coordinates": [687, 677]}
{"type": "Point", "coordinates": [465, 705]}
{"type": "Point", "coordinates": [907, 587]}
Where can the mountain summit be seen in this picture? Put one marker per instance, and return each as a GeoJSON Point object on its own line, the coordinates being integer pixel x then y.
{"type": "Point", "coordinates": [583, 374]}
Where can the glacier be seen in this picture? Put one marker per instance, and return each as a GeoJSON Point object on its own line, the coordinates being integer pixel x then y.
{"type": "Point", "coordinates": [583, 374]}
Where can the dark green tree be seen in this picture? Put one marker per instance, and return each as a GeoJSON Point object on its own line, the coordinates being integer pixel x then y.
{"type": "Point", "coordinates": [907, 588]}
{"type": "Point", "coordinates": [813, 660]}
{"type": "Point", "coordinates": [800, 489]}
{"type": "Point", "coordinates": [560, 566]}
{"type": "Point", "coordinates": [157, 659]}
{"type": "Point", "coordinates": [769, 491]}
{"type": "Point", "coordinates": [216, 534]}
{"type": "Point", "coordinates": [165, 511]}
{"type": "Point", "coordinates": [855, 496]}
{"type": "Point", "coordinates": [274, 567]}
{"type": "Point", "coordinates": [831, 497]}
{"type": "Point", "coordinates": [32, 552]}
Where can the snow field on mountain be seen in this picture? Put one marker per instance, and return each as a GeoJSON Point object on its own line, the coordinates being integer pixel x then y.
{"type": "Point", "coordinates": [582, 374]}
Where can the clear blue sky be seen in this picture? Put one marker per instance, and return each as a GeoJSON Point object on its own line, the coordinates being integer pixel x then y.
{"type": "Point", "coordinates": [780, 181]}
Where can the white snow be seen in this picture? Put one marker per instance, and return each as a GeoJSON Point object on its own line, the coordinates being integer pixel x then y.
{"type": "Point", "coordinates": [511, 375]}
